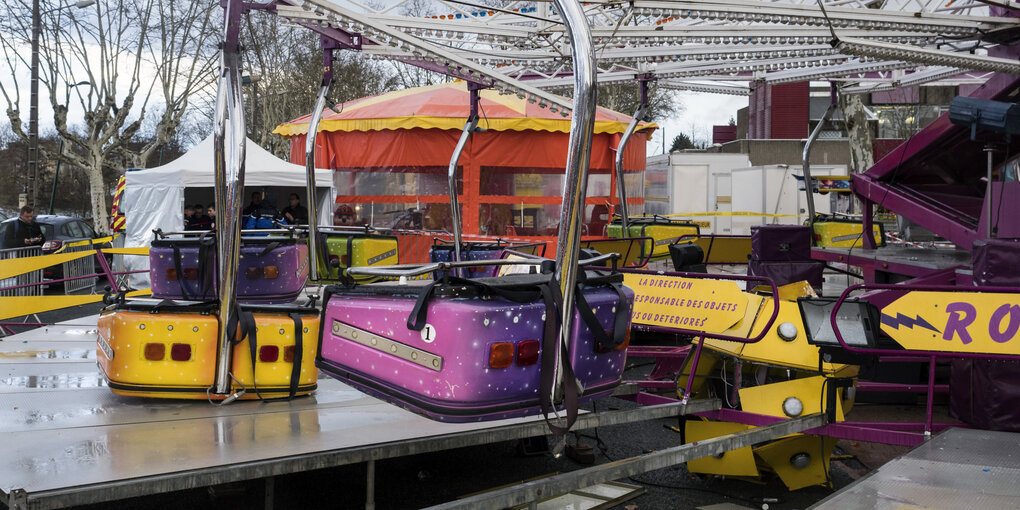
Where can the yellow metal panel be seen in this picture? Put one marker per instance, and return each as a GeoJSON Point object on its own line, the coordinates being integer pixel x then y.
{"type": "Point", "coordinates": [779, 454]}
{"type": "Point", "coordinates": [368, 250]}
{"type": "Point", "coordinates": [628, 248]}
{"type": "Point", "coordinates": [768, 398]}
{"type": "Point", "coordinates": [972, 322]}
{"type": "Point", "coordinates": [792, 291]}
{"type": "Point", "coordinates": [688, 303]}
{"type": "Point", "coordinates": [662, 235]}
{"type": "Point", "coordinates": [723, 250]}
{"type": "Point", "coordinates": [126, 333]}
{"type": "Point", "coordinates": [739, 462]}
{"type": "Point", "coordinates": [14, 267]}
{"type": "Point", "coordinates": [277, 330]}
{"type": "Point", "coordinates": [772, 349]}
{"type": "Point", "coordinates": [706, 367]}
{"type": "Point", "coordinates": [840, 234]}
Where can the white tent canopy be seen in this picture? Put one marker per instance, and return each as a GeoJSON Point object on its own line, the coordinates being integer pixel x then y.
{"type": "Point", "coordinates": [154, 198]}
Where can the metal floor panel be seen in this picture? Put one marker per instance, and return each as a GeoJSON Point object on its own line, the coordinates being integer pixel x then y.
{"type": "Point", "coordinates": [80, 329]}
{"type": "Point", "coordinates": [28, 411]}
{"type": "Point", "coordinates": [959, 468]}
{"type": "Point", "coordinates": [68, 440]}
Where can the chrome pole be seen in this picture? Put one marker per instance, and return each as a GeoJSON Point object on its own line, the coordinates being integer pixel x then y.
{"type": "Point", "coordinates": [806, 158]}
{"type": "Point", "coordinates": [621, 189]}
{"type": "Point", "coordinates": [469, 127]}
{"type": "Point", "coordinates": [575, 185]}
{"type": "Point", "coordinates": [313, 217]}
{"type": "Point", "coordinates": [229, 140]}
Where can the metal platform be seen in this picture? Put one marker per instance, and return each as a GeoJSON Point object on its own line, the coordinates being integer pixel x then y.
{"type": "Point", "coordinates": [904, 260]}
{"type": "Point", "coordinates": [958, 468]}
{"type": "Point", "coordinates": [68, 440]}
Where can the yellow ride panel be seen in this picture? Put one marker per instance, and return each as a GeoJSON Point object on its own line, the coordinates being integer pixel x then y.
{"type": "Point", "coordinates": [739, 462]}
{"type": "Point", "coordinates": [783, 455]}
{"type": "Point", "coordinates": [277, 330]}
{"type": "Point", "coordinates": [142, 354]}
{"type": "Point", "coordinates": [768, 399]}
{"type": "Point", "coordinates": [722, 250]}
{"type": "Point", "coordinates": [842, 234]}
{"type": "Point", "coordinates": [126, 335]}
{"type": "Point", "coordinates": [364, 250]}
{"type": "Point", "coordinates": [662, 234]}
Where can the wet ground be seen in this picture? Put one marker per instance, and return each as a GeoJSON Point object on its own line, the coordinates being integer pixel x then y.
{"type": "Point", "coordinates": [428, 479]}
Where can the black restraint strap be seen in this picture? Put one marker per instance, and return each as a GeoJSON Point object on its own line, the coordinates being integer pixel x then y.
{"type": "Point", "coordinates": [206, 242]}
{"type": "Point", "coordinates": [295, 371]}
{"type": "Point", "coordinates": [551, 346]}
{"type": "Point", "coordinates": [588, 316]}
{"type": "Point", "coordinates": [416, 321]}
{"type": "Point", "coordinates": [246, 322]}
{"type": "Point", "coordinates": [180, 272]}
{"type": "Point", "coordinates": [270, 247]}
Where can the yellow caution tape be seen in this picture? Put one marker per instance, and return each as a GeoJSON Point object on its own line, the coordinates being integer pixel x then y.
{"type": "Point", "coordinates": [14, 267]}
{"type": "Point", "coordinates": [20, 306]}
{"type": "Point", "coordinates": [721, 213]}
{"type": "Point", "coordinates": [86, 242]}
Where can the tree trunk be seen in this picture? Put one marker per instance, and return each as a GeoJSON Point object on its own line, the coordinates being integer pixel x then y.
{"type": "Point", "coordinates": [97, 192]}
{"type": "Point", "coordinates": [861, 156]}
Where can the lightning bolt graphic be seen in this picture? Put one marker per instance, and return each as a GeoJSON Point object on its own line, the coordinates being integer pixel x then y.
{"type": "Point", "coordinates": [903, 320]}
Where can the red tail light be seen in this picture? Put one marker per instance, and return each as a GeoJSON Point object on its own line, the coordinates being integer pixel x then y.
{"type": "Point", "coordinates": [180, 352]}
{"type": "Point", "coordinates": [271, 272]}
{"type": "Point", "coordinates": [52, 245]}
{"type": "Point", "coordinates": [252, 273]}
{"type": "Point", "coordinates": [190, 273]}
{"type": "Point", "coordinates": [623, 345]}
{"type": "Point", "coordinates": [344, 261]}
{"type": "Point", "coordinates": [527, 353]}
{"type": "Point", "coordinates": [155, 351]}
{"type": "Point", "coordinates": [288, 354]}
{"type": "Point", "coordinates": [269, 353]}
{"type": "Point", "coordinates": [626, 341]}
{"type": "Point", "coordinates": [501, 355]}
{"type": "Point", "coordinates": [171, 274]}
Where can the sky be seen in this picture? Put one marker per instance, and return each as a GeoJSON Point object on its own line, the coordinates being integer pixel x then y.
{"type": "Point", "coordinates": [701, 112]}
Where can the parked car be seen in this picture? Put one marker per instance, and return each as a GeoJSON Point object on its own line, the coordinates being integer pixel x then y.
{"type": "Point", "coordinates": [58, 231]}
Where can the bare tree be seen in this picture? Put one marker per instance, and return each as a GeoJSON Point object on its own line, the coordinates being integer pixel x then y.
{"type": "Point", "coordinates": [285, 69]}
{"type": "Point", "coordinates": [141, 59]}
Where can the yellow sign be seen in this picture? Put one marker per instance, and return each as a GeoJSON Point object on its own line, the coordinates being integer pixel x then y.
{"type": "Point", "coordinates": [973, 322]}
{"type": "Point", "coordinates": [712, 306]}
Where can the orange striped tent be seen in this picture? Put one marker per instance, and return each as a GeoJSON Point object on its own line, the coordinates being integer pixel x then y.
{"type": "Point", "coordinates": [390, 153]}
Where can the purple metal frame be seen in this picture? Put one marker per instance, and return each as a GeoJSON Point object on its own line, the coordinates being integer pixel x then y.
{"type": "Point", "coordinates": [894, 433]}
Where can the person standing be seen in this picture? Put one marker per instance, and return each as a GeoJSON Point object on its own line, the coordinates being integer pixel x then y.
{"type": "Point", "coordinates": [23, 231]}
{"type": "Point", "coordinates": [295, 213]}
{"type": "Point", "coordinates": [254, 208]}
{"type": "Point", "coordinates": [189, 214]}
{"type": "Point", "coordinates": [212, 216]}
{"type": "Point", "coordinates": [199, 220]}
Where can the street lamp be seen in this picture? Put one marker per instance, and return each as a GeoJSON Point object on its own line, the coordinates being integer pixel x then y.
{"type": "Point", "coordinates": [60, 152]}
{"type": "Point", "coordinates": [33, 108]}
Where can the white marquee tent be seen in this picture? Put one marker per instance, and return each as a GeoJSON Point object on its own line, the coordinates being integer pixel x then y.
{"type": "Point", "coordinates": [154, 198]}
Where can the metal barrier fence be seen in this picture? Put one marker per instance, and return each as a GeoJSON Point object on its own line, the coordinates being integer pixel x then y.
{"type": "Point", "coordinates": [79, 268]}
{"type": "Point", "coordinates": [22, 279]}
